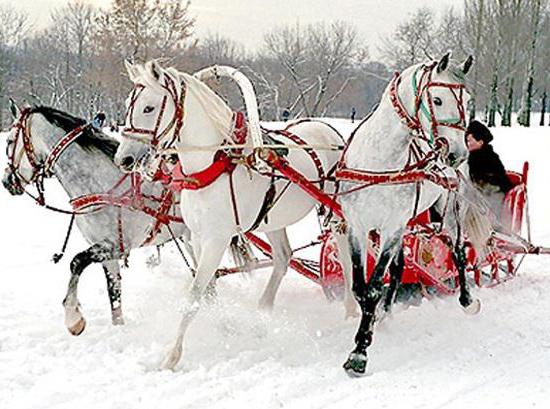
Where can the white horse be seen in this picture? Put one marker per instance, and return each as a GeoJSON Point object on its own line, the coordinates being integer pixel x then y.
{"type": "Point", "coordinates": [420, 119]}
{"type": "Point", "coordinates": [172, 109]}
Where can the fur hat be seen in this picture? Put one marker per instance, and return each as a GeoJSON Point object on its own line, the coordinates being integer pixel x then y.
{"type": "Point", "coordinates": [479, 131]}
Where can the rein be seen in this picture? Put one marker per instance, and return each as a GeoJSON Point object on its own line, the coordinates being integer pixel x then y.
{"type": "Point", "coordinates": [132, 198]}
{"type": "Point", "coordinates": [153, 136]}
{"type": "Point", "coordinates": [40, 169]}
{"type": "Point", "coordinates": [421, 165]}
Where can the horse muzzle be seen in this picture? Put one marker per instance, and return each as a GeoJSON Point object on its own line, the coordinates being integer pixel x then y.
{"type": "Point", "coordinates": [12, 184]}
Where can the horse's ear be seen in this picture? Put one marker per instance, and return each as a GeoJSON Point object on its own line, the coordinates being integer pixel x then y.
{"type": "Point", "coordinates": [466, 65]}
{"type": "Point", "coordinates": [444, 62]}
{"type": "Point", "coordinates": [14, 109]}
{"type": "Point", "coordinates": [130, 69]}
{"type": "Point", "coordinates": [155, 70]}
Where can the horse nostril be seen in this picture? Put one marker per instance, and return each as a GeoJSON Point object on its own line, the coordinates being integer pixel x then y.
{"type": "Point", "coordinates": [127, 162]}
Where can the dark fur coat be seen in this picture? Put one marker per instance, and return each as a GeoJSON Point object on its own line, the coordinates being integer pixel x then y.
{"type": "Point", "coordinates": [487, 171]}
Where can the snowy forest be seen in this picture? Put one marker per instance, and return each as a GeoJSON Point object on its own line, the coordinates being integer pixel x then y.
{"type": "Point", "coordinates": [321, 69]}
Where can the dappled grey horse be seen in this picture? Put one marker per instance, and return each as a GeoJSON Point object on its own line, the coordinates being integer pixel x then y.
{"type": "Point", "coordinates": [418, 129]}
{"type": "Point", "coordinates": [84, 167]}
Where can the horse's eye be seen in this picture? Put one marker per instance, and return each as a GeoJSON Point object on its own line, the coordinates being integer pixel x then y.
{"type": "Point", "coordinates": [437, 101]}
{"type": "Point", "coordinates": [148, 109]}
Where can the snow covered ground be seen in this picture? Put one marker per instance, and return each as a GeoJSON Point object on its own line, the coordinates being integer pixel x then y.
{"type": "Point", "coordinates": [430, 356]}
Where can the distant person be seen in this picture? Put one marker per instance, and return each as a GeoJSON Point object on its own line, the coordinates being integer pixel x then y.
{"type": "Point", "coordinates": [485, 167]}
{"type": "Point", "coordinates": [353, 113]}
{"type": "Point", "coordinates": [286, 114]}
{"type": "Point", "coordinates": [99, 120]}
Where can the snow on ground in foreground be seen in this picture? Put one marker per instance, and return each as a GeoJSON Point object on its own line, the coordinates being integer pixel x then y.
{"type": "Point", "coordinates": [430, 356]}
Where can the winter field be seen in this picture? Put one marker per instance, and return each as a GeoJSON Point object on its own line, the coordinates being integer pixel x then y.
{"type": "Point", "coordinates": [430, 356]}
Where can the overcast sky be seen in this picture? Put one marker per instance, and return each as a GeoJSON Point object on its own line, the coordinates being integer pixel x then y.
{"type": "Point", "coordinates": [247, 20]}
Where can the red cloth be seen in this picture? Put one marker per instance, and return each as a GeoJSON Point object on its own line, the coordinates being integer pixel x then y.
{"type": "Point", "coordinates": [179, 181]}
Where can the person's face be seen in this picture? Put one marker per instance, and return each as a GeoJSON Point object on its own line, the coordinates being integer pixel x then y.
{"type": "Point", "coordinates": [472, 143]}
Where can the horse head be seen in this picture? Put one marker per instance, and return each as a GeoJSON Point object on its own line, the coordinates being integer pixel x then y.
{"type": "Point", "coordinates": [23, 155]}
{"type": "Point", "coordinates": [435, 106]}
{"type": "Point", "coordinates": [154, 112]}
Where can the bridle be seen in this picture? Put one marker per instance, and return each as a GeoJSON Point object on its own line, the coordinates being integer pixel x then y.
{"type": "Point", "coordinates": [421, 87]}
{"type": "Point", "coordinates": [41, 169]}
{"type": "Point", "coordinates": [154, 135]}
{"type": "Point", "coordinates": [422, 164]}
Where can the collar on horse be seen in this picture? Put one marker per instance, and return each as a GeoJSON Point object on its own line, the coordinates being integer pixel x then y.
{"type": "Point", "coordinates": [223, 162]}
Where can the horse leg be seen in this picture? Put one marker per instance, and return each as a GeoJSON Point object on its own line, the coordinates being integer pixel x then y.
{"type": "Point", "coordinates": [74, 320]}
{"type": "Point", "coordinates": [345, 259]}
{"type": "Point", "coordinates": [368, 295]}
{"type": "Point", "coordinates": [281, 253]}
{"type": "Point", "coordinates": [186, 240]}
{"type": "Point", "coordinates": [211, 253]}
{"type": "Point", "coordinates": [114, 287]}
{"type": "Point", "coordinates": [471, 306]}
{"type": "Point", "coordinates": [396, 272]}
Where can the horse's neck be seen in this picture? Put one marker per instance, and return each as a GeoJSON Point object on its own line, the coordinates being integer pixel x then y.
{"type": "Point", "coordinates": [79, 171]}
{"type": "Point", "coordinates": [382, 143]}
{"type": "Point", "coordinates": [198, 131]}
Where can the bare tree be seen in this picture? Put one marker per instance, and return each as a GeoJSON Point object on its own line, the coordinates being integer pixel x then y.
{"type": "Point", "coordinates": [14, 28]}
{"type": "Point", "coordinates": [313, 59]}
{"type": "Point", "coordinates": [524, 114]}
{"type": "Point", "coordinates": [412, 42]}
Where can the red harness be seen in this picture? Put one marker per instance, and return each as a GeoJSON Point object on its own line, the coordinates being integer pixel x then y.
{"type": "Point", "coordinates": [177, 180]}
{"type": "Point", "coordinates": [131, 198]}
{"type": "Point", "coordinates": [154, 134]}
{"type": "Point", "coordinates": [40, 170]}
{"type": "Point", "coordinates": [420, 167]}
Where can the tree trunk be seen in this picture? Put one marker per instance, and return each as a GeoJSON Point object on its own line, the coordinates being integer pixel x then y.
{"type": "Point", "coordinates": [507, 111]}
{"type": "Point", "coordinates": [472, 105]}
{"type": "Point", "coordinates": [524, 114]}
{"type": "Point", "coordinates": [493, 101]}
{"type": "Point", "coordinates": [542, 108]}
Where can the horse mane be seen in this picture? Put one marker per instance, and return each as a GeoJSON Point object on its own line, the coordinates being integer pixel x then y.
{"type": "Point", "coordinates": [215, 107]}
{"type": "Point", "coordinates": [90, 139]}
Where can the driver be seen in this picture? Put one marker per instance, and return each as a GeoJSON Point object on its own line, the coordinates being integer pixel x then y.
{"type": "Point", "coordinates": [485, 167]}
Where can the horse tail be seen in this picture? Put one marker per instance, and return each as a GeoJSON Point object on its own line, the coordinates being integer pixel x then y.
{"type": "Point", "coordinates": [242, 254]}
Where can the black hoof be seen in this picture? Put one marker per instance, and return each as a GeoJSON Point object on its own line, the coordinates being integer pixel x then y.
{"type": "Point", "coordinates": [356, 365]}
{"type": "Point", "coordinates": [465, 300]}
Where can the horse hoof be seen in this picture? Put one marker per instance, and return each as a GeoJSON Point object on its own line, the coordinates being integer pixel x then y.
{"type": "Point", "coordinates": [118, 321]}
{"type": "Point", "coordinates": [356, 365]}
{"type": "Point", "coordinates": [473, 308]}
{"type": "Point", "coordinates": [116, 316]}
{"type": "Point", "coordinates": [78, 327]}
